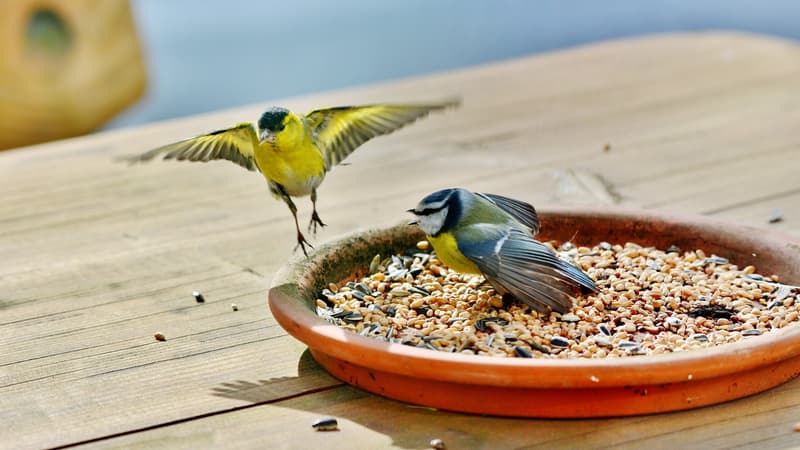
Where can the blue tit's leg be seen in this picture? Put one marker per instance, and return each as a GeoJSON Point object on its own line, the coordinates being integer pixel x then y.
{"type": "Point", "coordinates": [315, 220]}
{"type": "Point", "coordinates": [301, 240]}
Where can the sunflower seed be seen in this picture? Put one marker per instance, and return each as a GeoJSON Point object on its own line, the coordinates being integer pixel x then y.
{"type": "Point", "coordinates": [699, 337]}
{"type": "Point", "coordinates": [375, 264]}
{"type": "Point", "coordinates": [522, 352]}
{"type": "Point", "coordinates": [415, 270]}
{"type": "Point", "coordinates": [752, 332]}
{"type": "Point", "coordinates": [782, 292]}
{"type": "Point", "coordinates": [560, 342]}
{"type": "Point", "coordinates": [418, 290]}
{"type": "Point", "coordinates": [602, 341]}
{"type": "Point", "coordinates": [541, 348]}
{"type": "Point", "coordinates": [567, 246]}
{"type": "Point", "coordinates": [353, 317]}
{"type": "Point", "coordinates": [570, 318]}
{"type": "Point", "coordinates": [325, 424]}
{"type": "Point", "coordinates": [604, 329]}
{"type": "Point", "coordinates": [480, 324]}
{"type": "Point", "coordinates": [397, 274]}
{"type": "Point", "coordinates": [341, 314]}
{"type": "Point", "coordinates": [717, 260]}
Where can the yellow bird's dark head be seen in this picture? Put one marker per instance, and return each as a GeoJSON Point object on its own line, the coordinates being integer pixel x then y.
{"type": "Point", "coordinates": [272, 122]}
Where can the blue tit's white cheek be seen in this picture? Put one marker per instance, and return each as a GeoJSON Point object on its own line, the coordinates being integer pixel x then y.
{"type": "Point", "coordinates": [432, 223]}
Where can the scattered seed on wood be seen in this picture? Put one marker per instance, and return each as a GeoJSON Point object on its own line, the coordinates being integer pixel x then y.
{"type": "Point", "coordinates": [775, 217]}
{"type": "Point", "coordinates": [198, 297]}
{"type": "Point", "coordinates": [160, 336]}
{"type": "Point", "coordinates": [234, 306]}
{"type": "Point", "coordinates": [326, 424]}
{"type": "Point", "coordinates": [437, 444]}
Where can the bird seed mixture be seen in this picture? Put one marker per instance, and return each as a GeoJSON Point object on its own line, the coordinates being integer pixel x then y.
{"type": "Point", "coordinates": [651, 301]}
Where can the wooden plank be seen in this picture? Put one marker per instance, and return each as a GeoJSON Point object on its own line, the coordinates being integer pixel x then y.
{"type": "Point", "coordinates": [97, 256]}
{"type": "Point", "coordinates": [370, 422]}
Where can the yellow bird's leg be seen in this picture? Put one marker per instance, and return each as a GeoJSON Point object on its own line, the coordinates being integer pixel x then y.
{"type": "Point", "coordinates": [315, 220]}
{"type": "Point", "coordinates": [301, 240]}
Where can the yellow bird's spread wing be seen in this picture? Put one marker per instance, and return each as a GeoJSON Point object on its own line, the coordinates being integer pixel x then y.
{"type": "Point", "coordinates": [339, 131]}
{"type": "Point", "coordinates": [235, 144]}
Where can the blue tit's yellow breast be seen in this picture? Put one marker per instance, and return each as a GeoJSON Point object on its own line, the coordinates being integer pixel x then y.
{"type": "Point", "coordinates": [447, 250]}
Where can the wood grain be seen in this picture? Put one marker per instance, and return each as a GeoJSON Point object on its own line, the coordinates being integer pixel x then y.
{"type": "Point", "coordinates": [97, 256]}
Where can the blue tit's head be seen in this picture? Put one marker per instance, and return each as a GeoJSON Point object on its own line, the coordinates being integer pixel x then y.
{"type": "Point", "coordinates": [272, 121]}
{"type": "Point", "coordinates": [439, 211]}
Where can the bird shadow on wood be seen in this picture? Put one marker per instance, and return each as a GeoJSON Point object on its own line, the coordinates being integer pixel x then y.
{"type": "Point", "coordinates": [310, 378]}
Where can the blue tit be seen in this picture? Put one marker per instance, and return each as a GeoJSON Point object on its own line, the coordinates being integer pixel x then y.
{"type": "Point", "coordinates": [493, 235]}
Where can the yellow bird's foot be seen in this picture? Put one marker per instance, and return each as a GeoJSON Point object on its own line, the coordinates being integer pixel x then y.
{"type": "Point", "coordinates": [315, 220]}
{"type": "Point", "coordinates": [302, 243]}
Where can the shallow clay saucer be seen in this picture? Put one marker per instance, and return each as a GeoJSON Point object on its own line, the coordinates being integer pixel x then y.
{"type": "Point", "coordinates": [549, 387]}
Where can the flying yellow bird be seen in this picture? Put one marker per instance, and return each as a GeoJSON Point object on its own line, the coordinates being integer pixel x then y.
{"type": "Point", "coordinates": [294, 152]}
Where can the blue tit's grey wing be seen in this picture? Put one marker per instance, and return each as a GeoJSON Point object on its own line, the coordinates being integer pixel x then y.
{"type": "Point", "coordinates": [527, 269]}
{"type": "Point", "coordinates": [523, 212]}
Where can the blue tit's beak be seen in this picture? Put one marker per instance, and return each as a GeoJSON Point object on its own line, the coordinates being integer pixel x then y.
{"type": "Point", "coordinates": [413, 221]}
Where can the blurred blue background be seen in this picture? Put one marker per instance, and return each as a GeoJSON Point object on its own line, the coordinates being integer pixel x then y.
{"type": "Point", "coordinates": [205, 55]}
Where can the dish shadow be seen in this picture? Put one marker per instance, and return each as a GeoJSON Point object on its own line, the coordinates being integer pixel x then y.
{"type": "Point", "coordinates": [408, 426]}
{"type": "Point", "coordinates": [412, 427]}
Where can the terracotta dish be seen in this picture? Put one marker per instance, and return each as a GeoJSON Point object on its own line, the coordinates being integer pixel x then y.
{"type": "Point", "coordinates": [549, 387]}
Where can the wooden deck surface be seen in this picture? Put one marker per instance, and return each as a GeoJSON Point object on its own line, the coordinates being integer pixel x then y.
{"type": "Point", "coordinates": [96, 256]}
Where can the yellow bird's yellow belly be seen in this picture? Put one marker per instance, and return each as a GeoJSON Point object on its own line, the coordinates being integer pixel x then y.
{"type": "Point", "coordinates": [447, 250]}
{"type": "Point", "coordinates": [298, 168]}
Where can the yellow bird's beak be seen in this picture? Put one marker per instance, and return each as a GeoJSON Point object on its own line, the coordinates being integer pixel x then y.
{"type": "Point", "coordinates": [266, 136]}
